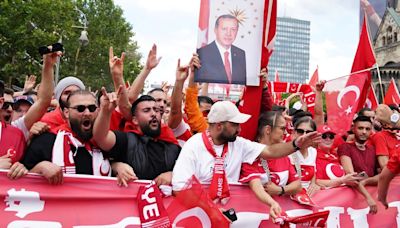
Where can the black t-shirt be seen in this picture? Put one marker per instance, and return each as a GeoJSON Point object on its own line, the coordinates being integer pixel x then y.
{"type": "Point", "coordinates": [154, 154]}
{"type": "Point", "coordinates": [41, 149]}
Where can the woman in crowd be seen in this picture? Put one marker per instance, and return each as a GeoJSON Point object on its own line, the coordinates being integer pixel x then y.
{"type": "Point", "coordinates": [329, 171]}
{"type": "Point", "coordinates": [305, 160]}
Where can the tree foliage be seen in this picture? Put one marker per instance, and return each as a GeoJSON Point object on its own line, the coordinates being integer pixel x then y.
{"type": "Point", "coordinates": [26, 25]}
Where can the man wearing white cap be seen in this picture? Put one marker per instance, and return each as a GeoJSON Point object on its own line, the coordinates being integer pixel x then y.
{"type": "Point", "coordinates": [216, 155]}
{"type": "Point", "coordinates": [64, 87]}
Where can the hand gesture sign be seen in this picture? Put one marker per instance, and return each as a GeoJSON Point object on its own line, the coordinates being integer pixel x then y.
{"type": "Point", "coordinates": [152, 60]}
{"type": "Point", "coordinates": [182, 72]}
{"type": "Point", "coordinates": [108, 101]}
{"type": "Point", "coordinates": [116, 64]}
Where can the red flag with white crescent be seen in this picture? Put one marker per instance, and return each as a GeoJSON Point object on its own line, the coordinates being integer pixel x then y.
{"type": "Point", "coordinates": [203, 23]}
{"type": "Point", "coordinates": [392, 94]}
{"type": "Point", "coordinates": [345, 96]}
{"type": "Point", "coordinates": [372, 101]}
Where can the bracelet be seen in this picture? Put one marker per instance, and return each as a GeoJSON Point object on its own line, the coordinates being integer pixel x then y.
{"type": "Point", "coordinates": [295, 146]}
{"type": "Point", "coordinates": [282, 191]}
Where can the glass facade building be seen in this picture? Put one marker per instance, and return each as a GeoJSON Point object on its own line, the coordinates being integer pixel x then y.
{"type": "Point", "coordinates": [291, 54]}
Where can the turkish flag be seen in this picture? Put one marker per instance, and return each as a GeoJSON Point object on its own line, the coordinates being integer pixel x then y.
{"type": "Point", "coordinates": [372, 101]}
{"type": "Point", "coordinates": [317, 219]}
{"type": "Point", "coordinates": [314, 78]}
{"type": "Point", "coordinates": [347, 95]}
{"type": "Point", "coordinates": [252, 94]}
{"type": "Point", "coordinates": [392, 94]}
{"type": "Point", "coordinates": [192, 207]}
{"type": "Point", "coordinates": [303, 198]}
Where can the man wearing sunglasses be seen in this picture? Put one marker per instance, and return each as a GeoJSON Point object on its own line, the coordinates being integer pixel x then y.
{"type": "Point", "coordinates": [68, 148]}
{"type": "Point", "coordinates": [147, 150]}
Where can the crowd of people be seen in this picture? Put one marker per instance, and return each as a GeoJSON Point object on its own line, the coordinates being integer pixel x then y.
{"type": "Point", "coordinates": [168, 138]}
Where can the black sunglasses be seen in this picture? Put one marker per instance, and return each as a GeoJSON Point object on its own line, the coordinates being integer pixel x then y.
{"type": "Point", "coordinates": [82, 108]}
{"type": "Point", "coordinates": [331, 136]}
{"type": "Point", "coordinates": [7, 104]}
{"type": "Point", "coordinates": [301, 131]}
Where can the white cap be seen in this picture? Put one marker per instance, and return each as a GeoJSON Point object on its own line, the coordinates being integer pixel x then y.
{"type": "Point", "coordinates": [223, 111]}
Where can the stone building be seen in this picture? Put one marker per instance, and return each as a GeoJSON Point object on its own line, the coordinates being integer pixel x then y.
{"type": "Point", "coordinates": [386, 44]}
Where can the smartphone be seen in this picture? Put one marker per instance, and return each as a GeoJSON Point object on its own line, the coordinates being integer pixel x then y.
{"type": "Point", "coordinates": [362, 174]}
{"type": "Point", "coordinates": [55, 47]}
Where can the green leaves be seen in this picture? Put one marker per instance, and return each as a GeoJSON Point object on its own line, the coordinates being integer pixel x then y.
{"type": "Point", "coordinates": [26, 25]}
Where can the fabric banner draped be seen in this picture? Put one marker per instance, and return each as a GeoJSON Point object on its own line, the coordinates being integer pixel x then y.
{"type": "Point", "coordinates": [93, 202]}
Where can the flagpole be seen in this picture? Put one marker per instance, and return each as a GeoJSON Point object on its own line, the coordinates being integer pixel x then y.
{"type": "Point", "coordinates": [373, 52]}
{"type": "Point", "coordinates": [380, 80]}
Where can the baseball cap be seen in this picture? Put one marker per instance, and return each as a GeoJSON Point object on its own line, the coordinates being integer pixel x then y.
{"type": "Point", "coordinates": [325, 129]}
{"type": "Point", "coordinates": [26, 98]}
{"type": "Point", "coordinates": [222, 111]}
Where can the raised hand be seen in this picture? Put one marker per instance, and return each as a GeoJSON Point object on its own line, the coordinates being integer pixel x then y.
{"type": "Point", "coordinates": [194, 62]}
{"type": "Point", "coordinates": [108, 101]}
{"type": "Point", "coordinates": [383, 113]}
{"type": "Point", "coordinates": [320, 85]}
{"type": "Point", "coordinates": [50, 59]}
{"type": "Point", "coordinates": [30, 82]}
{"type": "Point", "coordinates": [182, 72]}
{"type": "Point", "coordinates": [116, 64]}
{"type": "Point", "coordinates": [152, 60]}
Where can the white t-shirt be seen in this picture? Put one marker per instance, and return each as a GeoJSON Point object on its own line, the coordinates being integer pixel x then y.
{"type": "Point", "coordinates": [20, 124]}
{"type": "Point", "coordinates": [307, 165]}
{"type": "Point", "coordinates": [194, 159]}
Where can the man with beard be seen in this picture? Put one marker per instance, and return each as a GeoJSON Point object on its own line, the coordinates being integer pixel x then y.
{"type": "Point", "coordinates": [68, 147]}
{"type": "Point", "coordinates": [359, 157]}
{"type": "Point", "coordinates": [64, 87]}
{"type": "Point", "coordinates": [216, 155]}
{"type": "Point", "coordinates": [147, 151]}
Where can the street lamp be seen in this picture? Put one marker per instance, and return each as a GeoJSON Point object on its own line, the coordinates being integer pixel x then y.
{"type": "Point", "coordinates": [83, 39]}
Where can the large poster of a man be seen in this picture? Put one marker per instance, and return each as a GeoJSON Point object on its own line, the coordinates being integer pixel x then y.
{"type": "Point", "coordinates": [229, 41]}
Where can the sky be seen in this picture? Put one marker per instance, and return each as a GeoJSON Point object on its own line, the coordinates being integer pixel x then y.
{"type": "Point", "coordinates": [172, 26]}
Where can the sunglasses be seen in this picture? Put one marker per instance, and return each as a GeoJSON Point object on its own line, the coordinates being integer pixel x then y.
{"type": "Point", "coordinates": [301, 131]}
{"type": "Point", "coordinates": [7, 104]}
{"type": "Point", "coordinates": [82, 108]}
{"type": "Point", "coordinates": [330, 136]}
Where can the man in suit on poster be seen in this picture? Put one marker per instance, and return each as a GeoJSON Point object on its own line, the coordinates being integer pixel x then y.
{"type": "Point", "coordinates": [222, 62]}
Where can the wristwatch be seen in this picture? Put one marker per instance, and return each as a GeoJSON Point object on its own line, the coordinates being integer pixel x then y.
{"type": "Point", "coordinates": [394, 118]}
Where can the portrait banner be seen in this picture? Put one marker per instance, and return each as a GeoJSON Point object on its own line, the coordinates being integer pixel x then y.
{"type": "Point", "coordinates": [230, 41]}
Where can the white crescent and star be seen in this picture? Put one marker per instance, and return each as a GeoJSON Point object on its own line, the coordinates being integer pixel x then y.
{"type": "Point", "coordinates": [343, 92]}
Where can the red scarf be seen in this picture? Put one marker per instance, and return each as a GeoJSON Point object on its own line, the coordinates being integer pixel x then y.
{"type": "Point", "coordinates": [65, 138]}
{"type": "Point", "coordinates": [166, 133]}
{"type": "Point", "coordinates": [219, 188]}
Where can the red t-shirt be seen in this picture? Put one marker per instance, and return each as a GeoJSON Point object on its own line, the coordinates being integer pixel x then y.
{"type": "Point", "coordinates": [117, 122]}
{"type": "Point", "coordinates": [385, 143]}
{"type": "Point", "coordinates": [328, 166]}
{"type": "Point", "coordinates": [281, 171]}
{"type": "Point", "coordinates": [12, 141]}
{"type": "Point", "coordinates": [54, 118]}
{"type": "Point", "coordinates": [394, 162]}
{"type": "Point", "coordinates": [362, 160]}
